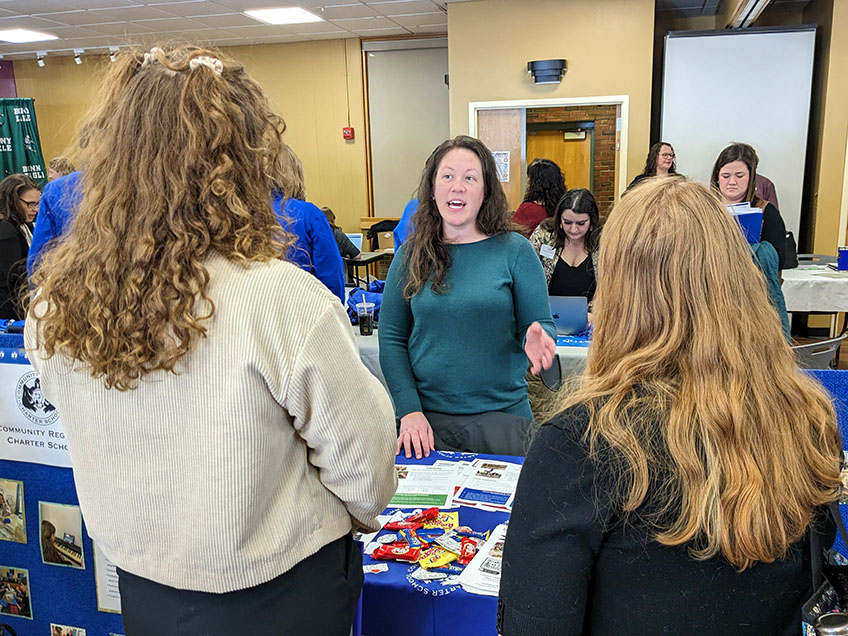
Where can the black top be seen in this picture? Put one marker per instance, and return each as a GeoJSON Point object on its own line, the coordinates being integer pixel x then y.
{"type": "Point", "coordinates": [13, 254]}
{"type": "Point", "coordinates": [573, 281]}
{"type": "Point", "coordinates": [572, 567]}
{"type": "Point", "coordinates": [346, 246]}
{"type": "Point", "coordinates": [774, 231]}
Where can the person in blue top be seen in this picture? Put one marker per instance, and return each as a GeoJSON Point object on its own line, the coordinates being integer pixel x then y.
{"type": "Point", "coordinates": [404, 228]}
{"type": "Point", "coordinates": [464, 313]}
{"type": "Point", "coordinates": [59, 201]}
{"type": "Point", "coordinates": [315, 249]}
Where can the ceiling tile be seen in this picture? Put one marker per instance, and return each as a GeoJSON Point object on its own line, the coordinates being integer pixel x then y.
{"type": "Point", "coordinates": [25, 22]}
{"type": "Point", "coordinates": [34, 7]}
{"type": "Point", "coordinates": [92, 4]}
{"type": "Point", "coordinates": [372, 33]}
{"type": "Point", "coordinates": [429, 28]}
{"type": "Point", "coordinates": [316, 27]}
{"type": "Point", "coordinates": [226, 21]}
{"type": "Point", "coordinates": [192, 9]}
{"type": "Point", "coordinates": [344, 11]}
{"type": "Point", "coordinates": [133, 13]}
{"type": "Point", "coordinates": [261, 30]}
{"type": "Point", "coordinates": [244, 5]}
{"type": "Point", "coordinates": [120, 28]}
{"type": "Point", "coordinates": [166, 25]}
{"type": "Point", "coordinates": [356, 24]}
{"type": "Point", "coordinates": [403, 7]}
{"type": "Point", "coordinates": [420, 19]}
{"type": "Point", "coordinates": [79, 18]}
{"type": "Point", "coordinates": [65, 33]}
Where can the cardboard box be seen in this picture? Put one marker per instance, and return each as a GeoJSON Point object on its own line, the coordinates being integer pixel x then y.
{"type": "Point", "coordinates": [384, 240]}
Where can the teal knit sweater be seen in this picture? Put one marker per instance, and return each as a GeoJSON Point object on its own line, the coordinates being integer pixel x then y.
{"type": "Point", "coordinates": [462, 352]}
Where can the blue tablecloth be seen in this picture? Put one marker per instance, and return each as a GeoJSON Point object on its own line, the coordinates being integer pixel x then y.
{"type": "Point", "coordinates": [394, 603]}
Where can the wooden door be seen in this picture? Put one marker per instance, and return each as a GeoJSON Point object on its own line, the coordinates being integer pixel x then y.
{"type": "Point", "coordinates": [573, 156]}
{"type": "Point", "coordinates": [502, 130]}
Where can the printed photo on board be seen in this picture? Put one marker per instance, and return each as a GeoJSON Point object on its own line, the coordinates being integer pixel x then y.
{"type": "Point", "coordinates": [61, 534]}
{"type": "Point", "coordinates": [12, 519]}
{"type": "Point", "coordinates": [65, 630]}
{"type": "Point", "coordinates": [14, 592]}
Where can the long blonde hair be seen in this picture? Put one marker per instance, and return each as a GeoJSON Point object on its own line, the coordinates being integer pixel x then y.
{"type": "Point", "coordinates": [691, 385]}
{"type": "Point", "coordinates": [175, 161]}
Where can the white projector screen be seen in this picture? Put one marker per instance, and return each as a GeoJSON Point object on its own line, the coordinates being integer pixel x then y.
{"type": "Point", "coordinates": [751, 86]}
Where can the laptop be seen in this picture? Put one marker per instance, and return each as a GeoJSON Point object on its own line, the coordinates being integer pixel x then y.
{"type": "Point", "coordinates": [570, 314]}
{"type": "Point", "coordinates": [356, 239]}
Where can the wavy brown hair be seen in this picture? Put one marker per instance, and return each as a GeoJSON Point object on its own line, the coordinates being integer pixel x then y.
{"type": "Point", "coordinates": [11, 189]}
{"type": "Point", "coordinates": [651, 160]}
{"type": "Point", "coordinates": [579, 201]}
{"type": "Point", "coordinates": [545, 183]}
{"type": "Point", "coordinates": [175, 169]}
{"type": "Point", "coordinates": [692, 388]}
{"type": "Point", "coordinates": [427, 256]}
{"type": "Point", "coordinates": [286, 172]}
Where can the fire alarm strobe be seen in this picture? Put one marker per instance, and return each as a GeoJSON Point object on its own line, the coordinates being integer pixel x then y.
{"type": "Point", "coordinates": [347, 132]}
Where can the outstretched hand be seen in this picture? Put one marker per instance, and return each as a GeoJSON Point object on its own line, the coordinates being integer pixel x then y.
{"type": "Point", "coordinates": [539, 347]}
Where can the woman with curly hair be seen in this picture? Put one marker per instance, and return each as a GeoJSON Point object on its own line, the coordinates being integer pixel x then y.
{"type": "Point", "coordinates": [545, 187]}
{"type": "Point", "coordinates": [673, 490]}
{"type": "Point", "coordinates": [210, 391]}
{"type": "Point", "coordinates": [19, 199]}
{"type": "Point", "coordinates": [462, 387]}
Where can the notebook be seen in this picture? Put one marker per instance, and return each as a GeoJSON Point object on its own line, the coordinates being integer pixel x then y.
{"type": "Point", "coordinates": [570, 314]}
{"type": "Point", "coordinates": [356, 239]}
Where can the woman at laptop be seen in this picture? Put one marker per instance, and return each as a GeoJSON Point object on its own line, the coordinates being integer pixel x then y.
{"type": "Point", "coordinates": [464, 309]}
{"type": "Point", "coordinates": [673, 491]}
{"type": "Point", "coordinates": [567, 245]}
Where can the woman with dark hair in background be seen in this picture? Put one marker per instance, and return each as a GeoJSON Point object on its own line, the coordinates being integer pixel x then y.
{"type": "Point", "coordinates": [209, 390]}
{"type": "Point", "coordinates": [660, 162]}
{"type": "Point", "coordinates": [545, 187]}
{"type": "Point", "coordinates": [734, 178]}
{"type": "Point", "coordinates": [19, 199]}
{"type": "Point", "coordinates": [346, 247]}
{"type": "Point", "coordinates": [567, 245]}
{"type": "Point", "coordinates": [672, 491]}
{"type": "Point", "coordinates": [464, 309]}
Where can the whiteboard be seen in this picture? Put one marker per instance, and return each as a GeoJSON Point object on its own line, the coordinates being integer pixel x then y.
{"type": "Point", "coordinates": [751, 86]}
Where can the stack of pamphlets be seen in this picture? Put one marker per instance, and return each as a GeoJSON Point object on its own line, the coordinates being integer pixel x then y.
{"type": "Point", "coordinates": [483, 574]}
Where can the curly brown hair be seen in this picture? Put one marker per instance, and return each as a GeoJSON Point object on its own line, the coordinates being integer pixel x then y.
{"type": "Point", "coordinates": [175, 169]}
{"type": "Point", "coordinates": [427, 256]}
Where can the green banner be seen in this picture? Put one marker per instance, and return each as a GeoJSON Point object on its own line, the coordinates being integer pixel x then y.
{"type": "Point", "coordinates": [20, 147]}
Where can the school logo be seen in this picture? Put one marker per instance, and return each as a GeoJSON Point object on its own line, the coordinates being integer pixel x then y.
{"type": "Point", "coordinates": [28, 143]}
{"type": "Point", "coordinates": [31, 401]}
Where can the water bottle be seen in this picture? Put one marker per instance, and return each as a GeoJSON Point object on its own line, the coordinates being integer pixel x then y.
{"type": "Point", "coordinates": [833, 624]}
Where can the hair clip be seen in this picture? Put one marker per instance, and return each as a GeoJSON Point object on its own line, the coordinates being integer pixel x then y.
{"type": "Point", "coordinates": [204, 60]}
{"type": "Point", "coordinates": [150, 58]}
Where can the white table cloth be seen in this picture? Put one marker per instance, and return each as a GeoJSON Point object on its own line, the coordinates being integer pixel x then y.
{"type": "Point", "coordinates": [815, 288]}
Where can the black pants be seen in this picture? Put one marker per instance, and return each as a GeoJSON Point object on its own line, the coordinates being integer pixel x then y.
{"type": "Point", "coordinates": [494, 432]}
{"type": "Point", "coordinates": [318, 596]}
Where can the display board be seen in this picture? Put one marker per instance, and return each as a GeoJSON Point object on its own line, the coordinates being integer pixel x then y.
{"type": "Point", "coordinates": [53, 580]}
{"type": "Point", "coordinates": [753, 86]}
{"type": "Point", "coordinates": [20, 146]}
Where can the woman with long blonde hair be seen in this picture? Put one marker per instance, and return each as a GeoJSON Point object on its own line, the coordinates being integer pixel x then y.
{"type": "Point", "coordinates": [224, 435]}
{"type": "Point", "coordinates": [672, 491]}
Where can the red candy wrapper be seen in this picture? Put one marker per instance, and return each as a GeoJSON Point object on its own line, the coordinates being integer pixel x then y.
{"type": "Point", "coordinates": [424, 515]}
{"type": "Point", "coordinates": [468, 550]}
{"type": "Point", "coordinates": [402, 525]}
{"type": "Point", "coordinates": [396, 552]}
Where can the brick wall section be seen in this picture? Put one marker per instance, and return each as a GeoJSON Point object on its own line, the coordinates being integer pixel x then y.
{"type": "Point", "coordinates": [604, 167]}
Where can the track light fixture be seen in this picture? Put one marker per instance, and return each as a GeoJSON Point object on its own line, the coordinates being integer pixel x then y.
{"type": "Point", "coordinates": [113, 51]}
{"type": "Point", "coordinates": [77, 54]}
{"type": "Point", "coordinates": [40, 57]}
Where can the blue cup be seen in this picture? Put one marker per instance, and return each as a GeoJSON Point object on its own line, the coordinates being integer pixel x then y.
{"type": "Point", "coordinates": [842, 263]}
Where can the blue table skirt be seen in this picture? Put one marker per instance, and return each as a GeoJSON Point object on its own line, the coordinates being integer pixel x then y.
{"type": "Point", "coordinates": [394, 603]}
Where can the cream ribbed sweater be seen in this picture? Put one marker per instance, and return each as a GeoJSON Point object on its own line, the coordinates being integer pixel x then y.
{"type": "Point", "coordinates": [269, 443]}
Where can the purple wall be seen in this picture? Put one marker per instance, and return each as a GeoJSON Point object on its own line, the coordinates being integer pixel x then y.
{"type": "Point", "coordinates": [7, 79]}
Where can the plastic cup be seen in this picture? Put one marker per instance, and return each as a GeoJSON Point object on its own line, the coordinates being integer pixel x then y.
{"type": "Point", "coordinates": [365, 313]}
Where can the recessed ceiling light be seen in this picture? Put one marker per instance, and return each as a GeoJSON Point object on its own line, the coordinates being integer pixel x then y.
{"type": "Point", "coordinates": [284, 15]}
{"type": "Point", "coordinates": [19, 36]}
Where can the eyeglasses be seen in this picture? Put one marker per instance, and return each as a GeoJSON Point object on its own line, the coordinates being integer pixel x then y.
{"type": "Point", "coordinates": [32, 205]}
{"type": "Point", "coordinates": [667, 155]}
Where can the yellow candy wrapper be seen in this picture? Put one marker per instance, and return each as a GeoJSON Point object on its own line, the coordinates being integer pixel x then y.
{"type": "Point", "coordinates": [446, 520]}
{"type": "Point", "coordinates": [436, 557]}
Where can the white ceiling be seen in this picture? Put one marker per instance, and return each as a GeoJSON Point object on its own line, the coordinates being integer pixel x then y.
{"type": "Point", "coordinates": [95, 25]}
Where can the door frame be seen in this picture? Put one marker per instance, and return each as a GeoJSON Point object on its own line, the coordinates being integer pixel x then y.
{"type": "Point", "coordinates": [623, 101]}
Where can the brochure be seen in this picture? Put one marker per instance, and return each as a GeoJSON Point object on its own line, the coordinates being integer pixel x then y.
{"type": "Point", "coordinates": [424, 486]}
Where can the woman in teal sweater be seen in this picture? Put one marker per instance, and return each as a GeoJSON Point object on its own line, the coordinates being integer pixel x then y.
{"type": "Point", "coordinates": [464, 309]}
